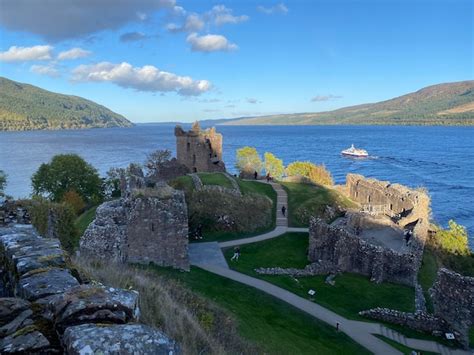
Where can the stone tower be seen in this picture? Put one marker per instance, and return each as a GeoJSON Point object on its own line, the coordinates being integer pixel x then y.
{"type": "Point", "coordinates": [199, 150]}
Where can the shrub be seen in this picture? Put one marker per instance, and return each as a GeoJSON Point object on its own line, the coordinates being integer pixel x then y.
{"type": "Point", "coordinates": [220, 211]}
{"type": "Point", "coordinates": [316, 173]}
{"type": "Point", "coordinates": [73, 199]}
{"type": "Point", "coordinates": [67, 172]}
{"type": "Point", "coordinates": [55, 220]}
{"type": "Point", "coordinates": [248, 161]}
{"type": "Point", "coordinates": [453, 240]}
{"type": "Point", "coordinates": [273, 165]}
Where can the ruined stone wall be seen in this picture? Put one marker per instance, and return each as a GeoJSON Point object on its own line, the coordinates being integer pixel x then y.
{"type": "Point", "coordinates": [199, 150]}
{"type": "Point", "coordinates": [49, 311]}
{"type": "Point", "coordinates": [148, 225]}
{"type": "Point", "coordinates": [391, 199]}
{"type": "Point", "coordinates": [13, 211]}
{"type": "Point", "coordinates": [348, 253]}
{"type": "Point", "coordinates": [453, 300]}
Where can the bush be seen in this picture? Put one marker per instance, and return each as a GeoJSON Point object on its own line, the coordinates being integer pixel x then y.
{"type": "Point", "coordinates": [55, 220]}
{"type": "Point", "coordinates": [64, 173]}
{"type": "Point", "coordinates": [316, 173]}
{"type": "Point", "coordinates": [273, 165]}
{"type": "Point", "coordinates": [453, 240]}
{"type": "Point", "coordinates": [248, 161]}
{"type": "Point", "coordinates": [73, 199]}
{"type": "Point", "coordinates": [220, 211]}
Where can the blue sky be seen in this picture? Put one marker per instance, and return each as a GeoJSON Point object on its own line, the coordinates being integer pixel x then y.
{"type": "Point", "coordinates": [166, 60]}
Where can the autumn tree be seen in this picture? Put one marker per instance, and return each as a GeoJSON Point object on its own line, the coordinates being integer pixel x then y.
{"type": "Point", "coordinates": [248, 161]}
{"type": "Point", "coordinates": [316, 173]}
{"type": "Point", "coordinates": [273, 165]}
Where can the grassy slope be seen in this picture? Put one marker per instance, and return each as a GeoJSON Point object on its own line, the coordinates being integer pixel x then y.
{"type": "Point", "coordinates": [184, 183]}
{"type": "Point", "coordinates": [351, 294]}
{"type": "Point", "coordinates": [24, 107]}
{"type": "Point", "coordinates": [274, 325]}
{"type": "Point", "coordinates": [83, 221]}
{"type": "Point", "coordinates": [311, 196]}
{"type": "Point", "coordinates": [427, 275]}
{"type": "Point", "coordinates": [215, 179]}
{"type": "Point", "coordinates": [443, 104]}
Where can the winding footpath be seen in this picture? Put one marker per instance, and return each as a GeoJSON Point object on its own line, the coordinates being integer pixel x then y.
{"type": "Point", "coordinates": [209, 256]}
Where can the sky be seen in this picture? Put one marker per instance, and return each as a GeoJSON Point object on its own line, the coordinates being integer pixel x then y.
{"type": "Point", "coordinates": [167, 60]}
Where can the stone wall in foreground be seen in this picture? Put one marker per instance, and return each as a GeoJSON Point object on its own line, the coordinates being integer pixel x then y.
{"type": "Point", "coordinates": [349, 253]}
{"type": "Point", "coordinates": [453, 300]}
{"type": "Point", "coordinates": [49, 311]}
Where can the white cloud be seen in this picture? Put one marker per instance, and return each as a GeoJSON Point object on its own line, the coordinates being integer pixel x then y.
{"type": "Point", "coordinates": [251, 100]}
{"type": "Point", "coordinates": [277, 9]}
{"type": "Point", "coordinates": [74, 53]}
{"type": "Point", "coordinates": [48, 70]}
{"type": "Point", "coordinates": [21, 54]}
{"type": "Point", "coordinates": [221, 15]}
{"type": "Point", "coordinates": [210, 43]}
{"type": "Point", "coordinates": [146, 78]}
{"type": "Point", "coordinates": [57, 20]}
{"type": "Point", "coordinates": [192, 23]}
{"type": "Point", "coordinates": [319, 98]}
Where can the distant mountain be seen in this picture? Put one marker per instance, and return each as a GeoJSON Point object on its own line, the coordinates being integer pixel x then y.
{"type": "Point", "coordinates": [443, 104]}
{"type": "Point", "coordinates": [27, 107]}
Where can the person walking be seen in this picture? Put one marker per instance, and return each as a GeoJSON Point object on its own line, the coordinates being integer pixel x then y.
{"type": "Point", "coordinates": [283, 210]}
{"type": "Point", "coordinates": [255, 175]}
{"type": "Point", "coordinates": [236, 254]}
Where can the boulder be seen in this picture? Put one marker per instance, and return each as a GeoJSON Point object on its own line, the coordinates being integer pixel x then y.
{"type": "Point", "coordinates": [95, 304]}
{"type": "Point", "coordinates": [117, 339]}
{"type": "Point", "coordinates": [43, 283]}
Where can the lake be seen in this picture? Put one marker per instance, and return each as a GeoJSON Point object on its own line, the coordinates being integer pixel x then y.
{"type": "Point", "coordinates": [438, 158]}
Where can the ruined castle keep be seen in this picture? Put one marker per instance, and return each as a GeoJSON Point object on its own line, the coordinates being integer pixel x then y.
{"type": "Point", "coordinates": [145, 225]}
{"type": "Point", "coordinates": [199, 150]}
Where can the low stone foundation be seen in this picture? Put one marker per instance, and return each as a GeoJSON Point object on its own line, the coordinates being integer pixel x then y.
{"type": "Point", "coordinates": [310, 270]}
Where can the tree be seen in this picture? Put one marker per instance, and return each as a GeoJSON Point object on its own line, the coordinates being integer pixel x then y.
{"type": "Point", "coordinates": [155, 159]}
{"type": "Point", "coordinates": [73, 199]}
{"type": "Point", "coordinates": [316, 173]}
{"type": "Point", "coordinates": [67, 172]}
{"type": "Point", "coordinates": [273, 165]}
{"type": "Point", "coordinates": [111, 184]}
{"type": "Point", "coordinates": [453, 240]}
{"type": "Point", "coordinates": [248, 161]}
{"type": "Point", "coordinates": [3, 181]}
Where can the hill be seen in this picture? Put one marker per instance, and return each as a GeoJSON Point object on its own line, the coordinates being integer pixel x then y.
{"type": "Point", "coordinates": [443, 104]}
{"type": "Point", "coordinates": [27, 107]}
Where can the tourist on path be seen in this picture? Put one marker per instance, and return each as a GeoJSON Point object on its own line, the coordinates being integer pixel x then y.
{"type": "Point", "coordinates": [236, 254]}
{"type": "Point", "coordinates": [255, 175]}
{"type": "Point", "coordinates": [283, 210]}
{"type": "Point", "coordinates": [269, 178]}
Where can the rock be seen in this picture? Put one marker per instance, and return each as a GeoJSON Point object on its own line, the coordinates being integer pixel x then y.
{"type": "Point", "coordinates": [95, 304]}
{"type": "Point", "coordinates": [25, 341]}
{"type": "Point", "coordinates": [21, 321]}
{"type": "Point", "coordinates": [45, 283]}
{"type": "Point", "coordinates": [10, 307]}
{"type": "Point", "coordinates": [117, 339]}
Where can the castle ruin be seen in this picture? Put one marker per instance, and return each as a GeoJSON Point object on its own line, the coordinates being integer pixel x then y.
{"type": "Point", "coordinates": [199, 150]}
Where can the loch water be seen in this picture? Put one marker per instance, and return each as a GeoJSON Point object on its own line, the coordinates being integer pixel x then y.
{"type": "Point", "coordinates": [438, 158]}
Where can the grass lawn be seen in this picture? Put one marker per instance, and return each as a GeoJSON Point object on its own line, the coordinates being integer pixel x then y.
{"type": "Point", "coordinates": [351, 293]}
{"type": "Point", "coordinates": [404, 349]}
{"type": "Point", "coordinates": [83, 221]}
{"type": "Point", "coordinates": [215, 179]}
{"type": "Point", "coordinates": [311, 198]}
{"type": "Point", "coordinates": [184, 183]}
{"type": "Point", "coordinates": [275, 326]}
{"type": "Point", "coordinates": [427, 275]}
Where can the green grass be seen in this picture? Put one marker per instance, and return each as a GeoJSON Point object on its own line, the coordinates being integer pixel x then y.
{"type": "Point", "coordinates": [351, 293]}
{"type": "Point", "coordinates": [427, 275]}
{"type": "Point", "coordinates": [471, 337]}
{"type": "Point", "coordinates": [215, 179]}
{"type": "Point", "coordinates": [184, 183]}
{"type": "Point", "coordinates": [404, 349]}
{"type": "Point", "coordinates": [83, 221]}
{"type": "Point", "coordinates": [275, 326]}
{"type": "Point", "coordinates": [313, 199]}
{"type": "Point", "coordinates": [247, 187]}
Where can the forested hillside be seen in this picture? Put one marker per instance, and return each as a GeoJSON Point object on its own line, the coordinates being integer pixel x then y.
{"type": "Point", "coordinates": [27, 107]}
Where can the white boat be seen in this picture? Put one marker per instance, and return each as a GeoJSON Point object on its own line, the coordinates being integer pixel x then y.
{"type": "Point", "coordinates": [354, 152]}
